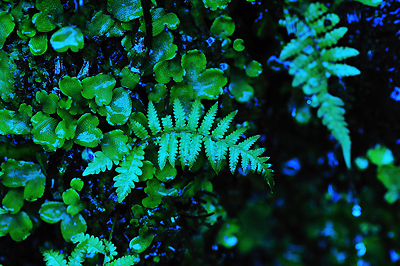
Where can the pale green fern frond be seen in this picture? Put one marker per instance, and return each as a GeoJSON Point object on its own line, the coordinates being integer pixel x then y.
{"type": "Point", "coordinates": [191, 132]}
{"type": "Point", "coordinates": [88, 246]}
{"type": "Point", "coordinates": [129, 171]}
{"type": "Point", "coordinates": [313, 61]}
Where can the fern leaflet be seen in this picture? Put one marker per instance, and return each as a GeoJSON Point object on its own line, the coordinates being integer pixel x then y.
{"type": "Point", "coordinates": [129, 170]}
{"type": "Point", "coordinates": [100, 163]}
{"type": "Point", "coordinates": [54, 258]}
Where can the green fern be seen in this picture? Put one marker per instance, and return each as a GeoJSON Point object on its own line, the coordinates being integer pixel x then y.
{"type": "Point", "coordinates": [185, 139]}
{"type": "Point", "coordinates": [313, 62]}
{"type": "Point", "coordinates": [182, 138]}
{"type": "Point", "coordinates": [129, 172]}
{"type": "Point", "coordinates": [100, 163]}
{"type": "Point", "coordinates": [88, 246]}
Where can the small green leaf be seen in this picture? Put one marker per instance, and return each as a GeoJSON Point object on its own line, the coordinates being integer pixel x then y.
{"type": "Point", "coordinates": [52, 211]}
{"type": "Point", "coordinates": [223, 26]}
{"type": "Point", "coordinates": [67, 38]}
{"type": "Point", "coordinates": [380, 155]}
{"type": "Point", "coordinates": [87, 134]}
{"type": "Point", "coordinates": [253, 69]}
{"type": "Point", "coordinates": [49, 101]}
{"type": "Point", "coordinates": [13, 200]}
{"type": "Point", "coordinates": [6, 25]}
{"type": "Point", "coordinates": [125, 10]}
{"type": "Point", "coordinates": [21, 173]}
{"type": "Point", "coordinates": [38, 44]}
{"type": "Point", "coordinates": [72, 225]}
{"type": "Point", "coordinates": [99, 87]}
{"type": "Point", "coordinates": [44, 131]}
{"type": "Point", "coordinates": [18, 225]}
{"type": "Point", "coordinates": [114, 144]}
{"type": "Point", "coordinates": [216, 4]}
{"type": "Point", "coordinates": [77, 184]}
{"type": "Point", "coordinates": [238, 45]}
{"type": "Point", "coordinates": [143, 241]}
{"type": "Point", "coordinates": [120, 107]}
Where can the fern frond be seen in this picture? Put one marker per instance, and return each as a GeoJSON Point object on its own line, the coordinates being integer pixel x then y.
{"type": "Point", "coordinates": [129, 171]}
{"type": "Point", "coordinates": [54, 258]}
{"type": "Point", "coordinates": [99, 164]}
{"type": "Point", "coordinates": [314, 63]}
{"type": "Point", "coordinates": [90, 244]}
{"type": "Point", "coordinates": [127, 260]}
{"type": "Point", "coordinates": [185, 141]}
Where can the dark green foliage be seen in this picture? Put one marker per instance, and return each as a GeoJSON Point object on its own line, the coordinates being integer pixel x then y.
{"type": "Point", "coordinates": [122, 128]}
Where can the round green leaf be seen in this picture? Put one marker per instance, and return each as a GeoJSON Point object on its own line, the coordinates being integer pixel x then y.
{"type": "Point", "coordinates": [67, 38]}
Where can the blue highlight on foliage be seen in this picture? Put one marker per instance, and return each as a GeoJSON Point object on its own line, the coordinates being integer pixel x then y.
{"type": "Point", "coordinates": [334, 196]}
{"type": "Point", "coordinates": [362, 263]}
{"type": "Point", "coordinates": [332, 159]}
{"type": "Point", "coordinates": [356, 210]}
{"type": "Point", "coordinates": [393, 255]}
{"type": "Point", "coordinates": [353, 17]}
{"type": "Point", "coordinates": [361, 249]}
{"type": "Point", "coordinates": [291, 167]}
{"type": "Point", "coordinates": [395, 95]}
{"type": "Point", "coordinates": [341, 257]}
{"type": "Point", "coordinates": [328, 230]}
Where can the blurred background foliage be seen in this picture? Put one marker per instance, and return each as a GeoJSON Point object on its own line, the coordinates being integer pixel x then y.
{"type": "Point", "coordinates": [320, 213]}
